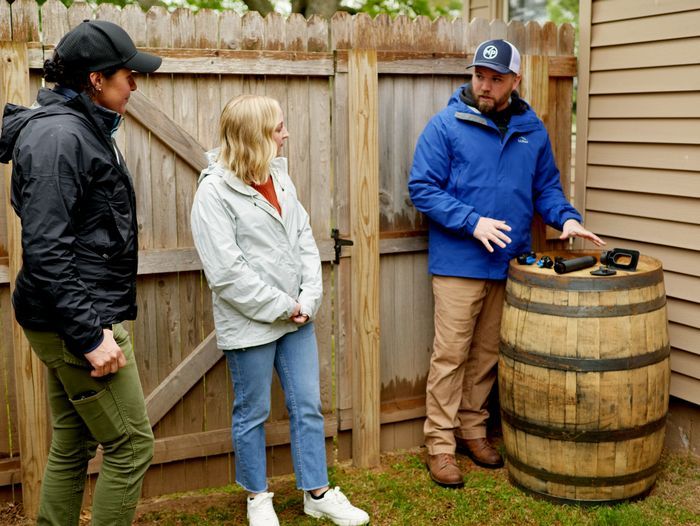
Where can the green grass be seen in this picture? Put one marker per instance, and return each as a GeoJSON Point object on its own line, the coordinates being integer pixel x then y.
{"type": "Point", "coordinates": [401, 493]}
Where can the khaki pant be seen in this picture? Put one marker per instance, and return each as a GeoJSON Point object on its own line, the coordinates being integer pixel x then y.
{"type": "Point", "coordinates": [463, 363]}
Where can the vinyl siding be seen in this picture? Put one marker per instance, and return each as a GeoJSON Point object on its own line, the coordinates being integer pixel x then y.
{"type": "Point", "coordinates": [638, 150]}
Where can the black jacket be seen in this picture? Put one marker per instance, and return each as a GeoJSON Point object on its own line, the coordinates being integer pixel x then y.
{"type": "Point", "coordinates": [75, 197]}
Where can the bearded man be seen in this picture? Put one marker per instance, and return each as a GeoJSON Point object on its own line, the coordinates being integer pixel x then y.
{"type": "Point", "coordinates": [482, 167]}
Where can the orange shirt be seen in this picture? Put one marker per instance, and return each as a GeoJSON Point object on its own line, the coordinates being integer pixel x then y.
{"type": "Point", "coordinates": [268, 192]}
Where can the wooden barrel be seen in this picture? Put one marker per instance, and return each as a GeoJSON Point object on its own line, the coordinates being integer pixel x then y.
{"type": "Point", "coordinates": [584, 379]}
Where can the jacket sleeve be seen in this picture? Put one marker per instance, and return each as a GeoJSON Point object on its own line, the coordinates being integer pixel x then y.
{"type": "Point", "coordinates": [51, 183]}
{"type": "Point", "coordinates": [429, 177]}
{"type": "Point", "coordinates": [550, 201]}
{"type": "Point", "coordinates": [311, 277]}
{"type": "Point", "coordinates": [227, 271]}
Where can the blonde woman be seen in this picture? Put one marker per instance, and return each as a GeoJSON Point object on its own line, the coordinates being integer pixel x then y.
{"type": "Point", "coordinates": [263, 267]}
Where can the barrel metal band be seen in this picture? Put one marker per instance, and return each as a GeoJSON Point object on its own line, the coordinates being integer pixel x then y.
{"type": "Point", "coordinates": [580, 502]}
{"type": "Point", "coordinates": [550, 280]}
{"type": "Point", "coordinates": [586, 311]}
{"type": "Point", "coordinates": [570, 434]}
{"type": "Point", "coordinates": [577, 480]}
{"type": "Point", "coordinates": [584, 365]}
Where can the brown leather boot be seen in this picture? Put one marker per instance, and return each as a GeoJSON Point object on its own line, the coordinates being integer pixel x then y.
{"type": "Point", "coordinates": [444, 470]}
{"type": "Point", "coordinates": [480, 451]}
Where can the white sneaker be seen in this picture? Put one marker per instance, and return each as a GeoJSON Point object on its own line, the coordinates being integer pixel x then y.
{"type": "Point", "coordinates": [261, 512]}
{"type": "Point", "coordinates": [336, 507]}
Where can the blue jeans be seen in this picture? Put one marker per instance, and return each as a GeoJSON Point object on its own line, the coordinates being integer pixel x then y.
{"type": "Point", "coordinates": [295, 358]}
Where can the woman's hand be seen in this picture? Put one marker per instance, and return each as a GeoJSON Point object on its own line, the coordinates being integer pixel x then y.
{"type": "Point", "coordinates": [107, 358]}
{"type": "Point", "coordinates": [297, 317]}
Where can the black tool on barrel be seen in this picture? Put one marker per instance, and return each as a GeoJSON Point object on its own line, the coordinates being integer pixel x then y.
{"type": "Point", "coordinates": [563, 266]}
{"type": "Point", "coordinates": [620, 258]}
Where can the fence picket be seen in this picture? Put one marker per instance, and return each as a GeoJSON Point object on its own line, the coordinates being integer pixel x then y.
{"type": "Point", "coordinates": [498, 29]}
{"type": "Point", "coordinates": [229, 30]}
{"type": "Point", "coordinates": [401, 34]}
{"type": "Point", "coordinates": [133, 20]}
{"type": "Point", "coordinates": [274, 31]}
{"type": "Point", "coordinates": [79, 11]}
{"type": "Point", "coordinates": [442, 29]}
{"type": "Point", "coordinates": [422, 34]}
{"type": "Point", "coordinates": [479, 30]}
{"type": "Point", "coordinates": [54, 19]}
{"type": "Point", "coordinates": [364, 35]}
{"type": "Point", "coordinates": [109, 12]}
{"type": "Point", "coordinates": [6, 21]}
{"type": "Point", "coordinates": [183, 28]}
{"type": "Point", "coordinates": [318, 33]}
{"type": "Point", "coordinates": [252, 29]}
{"type": "Point", "coordinates": [206, 28]}
{"type": "Point", "coordinates": [25, 21]}
{"type": "Point", "coordinates": [517, 34]}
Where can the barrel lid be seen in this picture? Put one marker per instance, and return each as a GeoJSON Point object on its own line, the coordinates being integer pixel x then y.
{"type": "Point", "coordinates": [649, 272]}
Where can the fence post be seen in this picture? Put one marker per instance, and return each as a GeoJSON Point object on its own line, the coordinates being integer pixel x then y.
{"type": "Point", "coordinates": [363, 108]}
{"type": "Point", "coordinates": [29, 371]}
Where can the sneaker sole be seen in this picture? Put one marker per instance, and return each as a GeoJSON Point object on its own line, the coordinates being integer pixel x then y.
{"type": "Point", "coordinates": [348, 522]}
{"type": "Point", "coordinates": [455, 485]}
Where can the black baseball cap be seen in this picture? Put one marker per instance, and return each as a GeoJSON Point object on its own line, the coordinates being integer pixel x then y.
{"type": "Point", "coordinates": [96, 45]}
{"type": "Point", "coordinates": [499, 55]}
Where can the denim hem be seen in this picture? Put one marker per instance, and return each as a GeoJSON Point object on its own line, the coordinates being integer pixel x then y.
{"type": "Point", "coordinates": [250, 490]}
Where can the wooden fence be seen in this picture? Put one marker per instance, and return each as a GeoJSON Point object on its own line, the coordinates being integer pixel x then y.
{"type": "Point", "coordinates": [356, 93]}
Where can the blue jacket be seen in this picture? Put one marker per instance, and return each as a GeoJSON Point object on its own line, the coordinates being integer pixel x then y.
{"type": "Point", "coordinates": [463, 170]}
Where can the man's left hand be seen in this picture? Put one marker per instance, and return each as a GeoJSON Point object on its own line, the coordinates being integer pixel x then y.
{"type": "Point", "coordinates": [573, 228]}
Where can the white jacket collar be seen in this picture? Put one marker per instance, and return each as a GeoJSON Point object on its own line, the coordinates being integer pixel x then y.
{"type": "Point", "coordinates": [278, 168]}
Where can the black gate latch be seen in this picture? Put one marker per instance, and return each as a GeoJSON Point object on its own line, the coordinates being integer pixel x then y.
{"type": "Point", "coordinates": [339, 244]}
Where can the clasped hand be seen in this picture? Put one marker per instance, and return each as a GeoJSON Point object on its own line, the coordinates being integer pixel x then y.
{"type": "Point", "coordinates": [297, 317]}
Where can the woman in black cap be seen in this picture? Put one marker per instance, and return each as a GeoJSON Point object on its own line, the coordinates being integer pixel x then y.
{"type": "Point", "coordinates": [75, 197]}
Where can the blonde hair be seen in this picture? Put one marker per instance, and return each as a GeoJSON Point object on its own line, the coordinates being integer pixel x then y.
{"type": "Point", "coordinates": [245, 132]}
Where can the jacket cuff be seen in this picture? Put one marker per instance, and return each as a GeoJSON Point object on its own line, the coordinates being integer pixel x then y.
{"type": "Point", "coordinates": [290, 310]}
{"type": "Point", "coordinates": [472, 220]}
{"type": "Point", "coordinates": [96, 344]}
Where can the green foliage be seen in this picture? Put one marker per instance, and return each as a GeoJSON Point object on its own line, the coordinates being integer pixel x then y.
{"type": "Point", "coordinates": [411, 8]}
{"type": "Point", "coordinates": [561, 11]}
{"type": "Point", "coordinates": [564, 11]}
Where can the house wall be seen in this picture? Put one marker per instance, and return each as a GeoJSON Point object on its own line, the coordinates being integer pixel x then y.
{"type": "Point", "coordinates": [488, 9]}
{"type": "Point", "coordinates": [638, 151]}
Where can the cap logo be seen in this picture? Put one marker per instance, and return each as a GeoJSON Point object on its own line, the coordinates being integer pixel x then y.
{"type": "Point", "coordinates": [490, 52]}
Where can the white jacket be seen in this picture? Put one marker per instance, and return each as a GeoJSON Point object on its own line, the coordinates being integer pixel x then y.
{"type": "Point", "coordinates": [257, 263]}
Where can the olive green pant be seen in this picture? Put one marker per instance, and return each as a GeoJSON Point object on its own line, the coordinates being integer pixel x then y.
{"type": "Point", "coordinates": [88, 411]}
